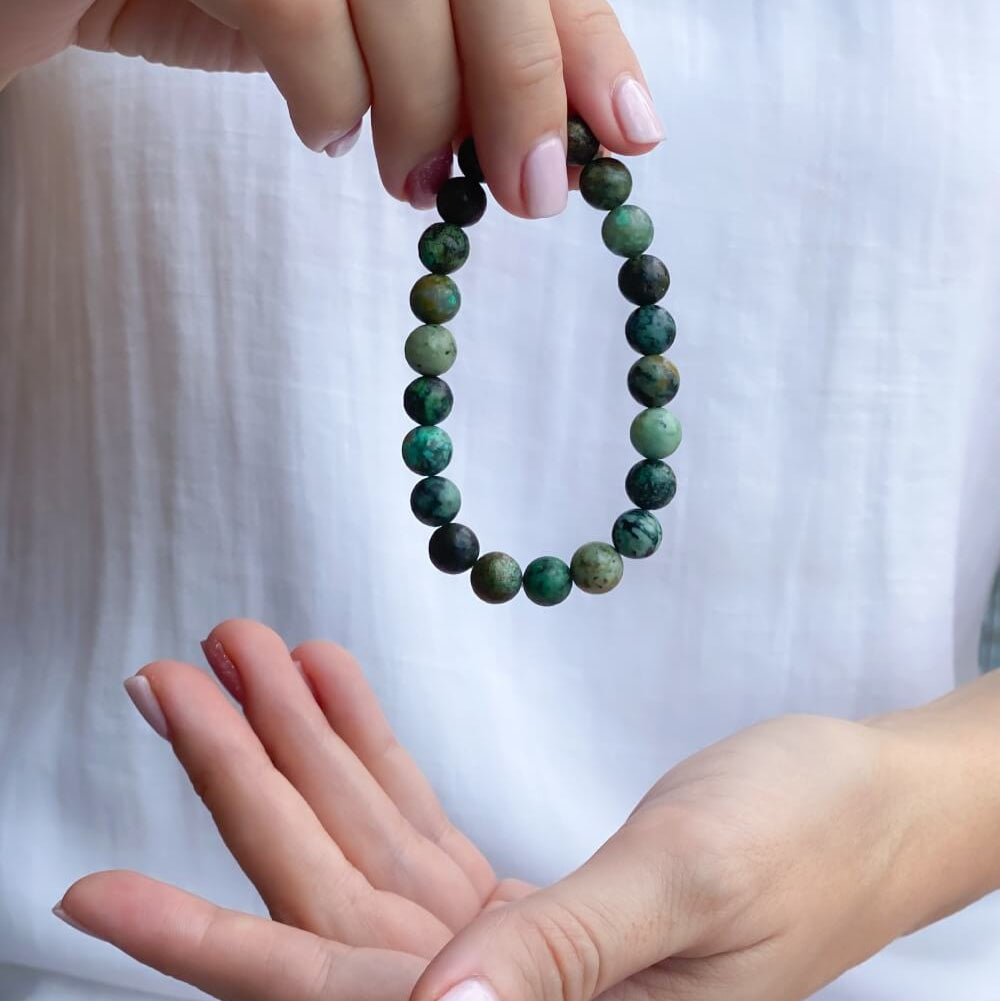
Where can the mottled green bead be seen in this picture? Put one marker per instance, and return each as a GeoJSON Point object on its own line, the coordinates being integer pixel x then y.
{"type": "Point", "coordinates": [655, 433]}
{"type": "Point", "coordinates": [650, 484]}
{"type": "Point", "coordinates": [596, 567]}
{"type": "Point", "coordinates": [650, 330]}
{"type": "Point", "coordinates": [627, 231]}
{"type": "Point", "coordinates": [435, 501]}
{"type": "Point", "coordinates": [547, 581]}
{"type": "Point", "coordinates": [443, 248]}
{"type": "Point", "coordinates": [637, 534]}
{"type": "Point", "coordinates": [581, 144]}
{"type": "Point", "coordinates": [496, 578]}
{"type": "Point", "coordinates": [653, 381]}
{"type": "Point", "coordinates": [428, 400]}
{"type": "Point", "coordinates": [430, 349]}
{"type": "Point", "coordinates": [427, 450]}
{"type": "Point", "coordinates": [605, 183]}
{"type": "Point", "coordinates": [644, 280]}
{"type": "Point", "coordinates": [435, 299]}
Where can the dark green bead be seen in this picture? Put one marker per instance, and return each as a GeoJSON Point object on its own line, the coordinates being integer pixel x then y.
{"type": "Point", "coordinates": [461, 201]}
{"type": "Point", "coordinates": [496, 578]}
{"type": "Point", "coordinates": [427, 450]}
{"type": "Point", "coordinates": [547, 581]}
{"type": "Point", "coordinates": [430, 349]}
{"type": "Point", "coordinates": [453, 548]}
{"type": "Point", "coordinates": [651, 484]}
{"type": "Point", "coordinates": [428, 400]}
{"type": "Point", "coordinates": [655, 433]}
{"type": "Point", "coordinates": [468, 161]}
{"type": "Point", "coordinates": [650, 330]}
{"type": "Point", "coordinates": [435, 299]}
{"type": "Point", "coordinates": [581, 144]}
{"type": "Point", "coordinates": [653, 381]}
{"type": "Point", "coordinates": [443, 248]}
{"type": "Point", "coordinates": [637, 534]}
{"type": "Point", "coordinates": [596, 567]}
{"type": "Point", "coordinates": [605, 183]}
{"type": "Point", "coordinates": [435, 501]}
{"type": "Point", "coordinates": [627, 231]}
{"type": "Point", "coordinates": [644, 280]}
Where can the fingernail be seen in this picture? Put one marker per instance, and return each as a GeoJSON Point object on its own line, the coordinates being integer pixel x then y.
{"type": "Point", "coordinates": [140, 691]}
{"type": "Point", "coordinates": [636, 112]}
{"type": "Point", "coordinates": [75, 925]}
{"type": "Point", "coordinates": [342, 144]}
{"type": "Point", "coordinates": [471, 990]}
{"type": "Point", "coordinates": [424, 182]}
{"type": "Point", "coordinates": [545, 181]}
{"type": "Point", "coordinates": [224, 668]}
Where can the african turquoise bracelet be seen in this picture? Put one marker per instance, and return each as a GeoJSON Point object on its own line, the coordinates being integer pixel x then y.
{"type": "Point", "coordinates": [653, 381]}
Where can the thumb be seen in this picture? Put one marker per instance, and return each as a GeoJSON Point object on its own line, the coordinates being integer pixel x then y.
{"type": "Point", "coordinates": [615, 916]}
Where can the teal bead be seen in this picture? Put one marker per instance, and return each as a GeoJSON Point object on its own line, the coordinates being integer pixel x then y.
{"type": "Point", "coordinates": [596, 567]}
{"type": "Point", "coordinates": [650, 330]}
{"type": "Point", "coordinates": [443, 248]}
{"type": "Point", "coordinates": [650, 484]}
{"type": "Point", "coordinates": [435, 501]}
{"type": "Point", "coordinates": [627, 231]}
{"type": "Point", "coordinates": [428, 400]}
{"type": "Point", "coordinates": [435, 299]}
{"type": "Point", "coordinates": [653, 381]}
{"type": "Point", "coordinates": [547, 581]}
{"type": "Point", "coordinates": [655, 433]}
{"type": "Point", "coordinates": [427, 450]}
{"type": "Point", "coordinates": [637, 534]}
{"type": "Point", "coordinates": [496, 578]}
{"type": "Point", "coordinates": [430, 350]}
{"type": "Point", "coordinates": [605, 183]}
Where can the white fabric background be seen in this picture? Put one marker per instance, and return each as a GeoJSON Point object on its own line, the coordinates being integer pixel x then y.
{"type": "Point", "coordinates": [200, 372]}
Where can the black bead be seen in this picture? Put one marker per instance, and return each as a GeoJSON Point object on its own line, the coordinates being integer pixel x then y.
{"type": "Point", "coordinates": [468, 161]}
{"type": "Point", "coordinates": [644, 280]}
{"type": "Point", "coordinates": [581, 144]}
{"type": "Point", "coordinates": [453, 548]}
{"type": "Point", "coordinates": [461, 201]}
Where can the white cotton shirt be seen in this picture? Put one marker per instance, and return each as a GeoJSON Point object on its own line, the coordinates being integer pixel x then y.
{"type": "Point", "coordinates": [201, 329]}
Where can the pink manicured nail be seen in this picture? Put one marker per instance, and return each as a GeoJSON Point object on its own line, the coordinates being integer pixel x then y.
{"type": "Point", "coordinates": [636, 112]}
{"type": "Point", "coordinates": [343, 144]}
{"type": "Point", "coordinates": [75, 925]}
{"type": "Point", "coordinates": [471, 990]}
{"type": "Point", "coordinates": [424, 182]}
{"type": "Point", "coordinates": [140, 691]}
{"type": "Point", "coordinates": [545, 182]}
{"type": "Point", "coordinates": [225, 670]}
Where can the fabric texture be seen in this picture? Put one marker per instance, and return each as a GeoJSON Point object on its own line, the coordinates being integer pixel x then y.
{"type": "Point", "coordinates": [201, 329]}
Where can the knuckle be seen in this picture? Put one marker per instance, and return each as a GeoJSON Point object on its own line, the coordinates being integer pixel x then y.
{"type": "Point", "coordinates": [291, 20]}
{"type": "Point", "coordinates": [533, 59]}
{"type": "Point", "coordinates": [594, 21]}
{"type": "Point", "coordinates": [562, 957]}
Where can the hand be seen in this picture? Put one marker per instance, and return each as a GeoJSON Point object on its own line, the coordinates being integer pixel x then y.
{"type": "Point", "coordinates": [421, 64]}
{"type": "Point", "coordinates": [364, 875]}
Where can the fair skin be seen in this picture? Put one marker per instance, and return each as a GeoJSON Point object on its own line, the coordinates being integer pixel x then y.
{"type": "Point", "coordinates": [758, 870]}
{"type": "Point", "coordinates": [430, 73]}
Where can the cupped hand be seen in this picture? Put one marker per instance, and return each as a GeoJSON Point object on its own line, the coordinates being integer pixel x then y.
{"type": "Point", "coordinates": [429, 69]}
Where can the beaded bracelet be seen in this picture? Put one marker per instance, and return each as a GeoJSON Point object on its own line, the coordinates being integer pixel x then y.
{"type": "Point", "coordinates": [653, 381]}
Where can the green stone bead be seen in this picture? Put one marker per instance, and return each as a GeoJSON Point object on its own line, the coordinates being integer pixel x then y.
{"type": "Point", "coordinates": [427, 450]}
{"type": "Point", "coordinates": [596, 567]}
{"type": "Point", "coordinates": [430, 350]}
{"type": "Point", "coordinates": [650, 330]}
{"type": "Point", "coordinates": [653, 381]}
{"type": "Point", "coordinates": [547, 581]}
{"type": "Point", "coordinates": [435, 501]}
{"type": "Point", "coordinates": [650, 484]}
{"type": "Point", "coordinates": [637, 534]}
{"type": "Point", "coordinates": [627, 231]}
{"type": "Point", "coordinates": [655, 433]}
{"type": "Point", "coordinates": [605, 183]}
{"type": "Point", "coordinates": [643, 280]}
{"type": "Point", "coordinates": [435, 299]}
{"type": "Point", "coordinates": [428, 400]}
{"type": "Point", "coordinates": [443, 248]}
{"type": "Point", "coordinates": [581, 143]}
{"type": "Point", "coordinates": [496, 578]}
